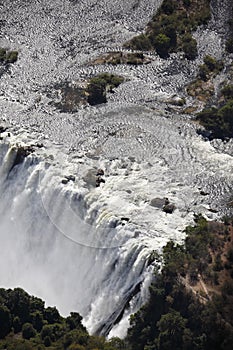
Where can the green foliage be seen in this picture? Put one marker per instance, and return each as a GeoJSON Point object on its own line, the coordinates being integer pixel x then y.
{"type": "Point", "coordinates": [141, 42]}
{"type": "Point", "coordinates": [74, 321]}
{"type": "Point", "coordinates": [8, 56]}
{"type": "Point", "coordinates": [11, 56]}
{"type": "Point", "coordinates": [171, 26]}
{"type": "Point", "coordinates": [229, 45]}
{"type": "Point", "coordinates": [218, 121]}
{"type": "Point", "coordinates": [171, 327]}
{"type": "Point", "coordinates": [5, 321]}
{"type": "Point", "coordinates": [162, 45]}
{"type": "Point", "coordinates": [51, 315]}
{"type": "Point", "coordinates": [229, 41]}
{"type": "Point", "coordinates": [44, 327]}
{"type": "Point", "coordinates": [99, 85]}
{"type": "Point", "coordinates": [189, 47]}
{"type": "Point", "coordinates": [2, 54]}
{"type": "Point", "coordinates": [18, 303]}
{"type": "Point", "coordinates": [174, 317]}
{"type": "Point", "coordinates": [17, 325]}
{"type": "Point", "coordinates": [37, 320]}
{"type": "Point", "coordinates": [210, 66]}
{"type": "Point", "coordinates": [47, 341]}
{"type": "Point", "coordinates": [28, 331]}
{"type": "Point", "coordinates": [227, 92]}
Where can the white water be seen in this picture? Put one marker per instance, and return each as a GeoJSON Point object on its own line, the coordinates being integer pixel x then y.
{"type": "Point", "coordinates": [68, 243]}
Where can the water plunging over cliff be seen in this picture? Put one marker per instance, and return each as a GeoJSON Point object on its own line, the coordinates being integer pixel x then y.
{"type": "Point", "coordinates": [78, 246]}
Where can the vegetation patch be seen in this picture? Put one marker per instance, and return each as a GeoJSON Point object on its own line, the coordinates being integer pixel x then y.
{"type": "Point", "coordinates": [202, 87]}
{"type": "Point", "coordinates": [229, 41]}
{"type": "Point", "coordinates": [219, 121]}
{"type": "Point", "coordinates": [119, 57]}
{"type": "Point", "coordinates": [170, 29]}
{"type": "Point", "coordinates": [73, 96]}
{"type": "Point", "coordinates": [7, 57]}
{"type": "Point", "coordinates": [190, 305]}
{"type": "Point", "coordinates": [26, 324]}
{"type": "Point", "coordinates": [98, 87]}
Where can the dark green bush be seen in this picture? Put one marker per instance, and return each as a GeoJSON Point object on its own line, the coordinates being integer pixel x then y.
{"type": "Point", "coordinates": [190, 48]}
{"type": "Point", "coordinates": [11, 56]}
{"type": "Point", "coordinates": [2, 54]}
{"type": "Point", "coordinates": [162, 45]}
{"type": "Point", "coordinates": [5, 321]}
{"type": "Point", "coordinates": [227, 92]}
{"type": "Point", "coordinates": [140, 42]}
{"type": "Point", "coordinates": [100, 85]}
{"type": "Point", "coordinates": [28, 331]}
{"type": "Point", "coordinates": [219, 121]}
{"type": "Point", "coordinates": [8, 56]}
{"type": "Point", "coordinates": [229, 45]}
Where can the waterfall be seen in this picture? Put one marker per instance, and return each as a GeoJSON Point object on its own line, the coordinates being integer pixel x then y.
{"type": "Point", "coordinates": [52, 247]}
{"type": "Point", "coordinates": [79, 246]}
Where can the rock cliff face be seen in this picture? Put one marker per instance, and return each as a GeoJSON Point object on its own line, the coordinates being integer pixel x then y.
{"type": "Point", "coordinates": [93, 243]}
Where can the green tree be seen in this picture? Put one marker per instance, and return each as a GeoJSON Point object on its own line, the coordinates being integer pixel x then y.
{"type": "Point", "coordinates": [5, 321]}
{"type": "Point", "coordinates": [171, 327]}
{"type": "Point", "coordinates": [189, 47]}
{"type": "Point", "coordinates": [52, 315]}
{"type": "Point", "coordinates": [2, 54]}
{"type": "Point", "coordinates": [37, 320]}
{"type": "Point", "coordinates": [18, 303]}
{"type": "Point", "coordinates": [17, 325]}
{"type": "Point", "coordinates": [28, 331]}
{"type": "Point", "coordinates": [162, 45]}
{"type": "Point", "coordinates": [74, 321]}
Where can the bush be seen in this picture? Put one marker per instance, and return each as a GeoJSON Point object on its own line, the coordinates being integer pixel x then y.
{"type": "Point", "coordinates": [229, 45]}
{"type": "Point", "coordinates": [210, 62]}
{"type": "Point", "coordinates": [5, 321]}
{"type": "Point", "coordinates": [11, 56]}
{"type": "Point", "coordinates": [17, 324]}
{"type": "Point", "coordinates": [140, 42]}
{"type": "Point", "coordinates": [28, 331]}
{"type": "Point", "coordinates": [203, 72]}
{"type": "Point", "coordinates": [2, 54]}
{"type": "Point", "coordinates": [47, 341]}
{"type": "Point", "coordinates": [227, 92]}
{"type": "Point", "coordinates": [190, 48]}
{"type": "Point", "coordinates": [162, 45]}
{"type": "Point", "coordinates": [218, 121]}
{"type": "Point", "coordinates": [99, 85]}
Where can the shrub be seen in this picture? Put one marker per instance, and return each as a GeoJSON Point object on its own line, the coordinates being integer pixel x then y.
{"type": "Point", "coordinates": [47, 341]}
{"type": "Point", "coordinates": [190, 48]}
{"type": "Point", "coordinates": [28, 331]}
{"type": "Point", "coordinates": [2, 54]}
{"type": "Point", "coordinates": [17, 324]}
{"type": "Point", "coordinates": [203, 72]}
{"type": "Point", "coordinates": [229, 45]}
{"type": "Point", "coordinates": [5, 321]}
{"type": "Point", "coordinates": [99, 85]}
{"type": "Point", "coordinates": [12, 56]}
{"type": "Point", "coordinates": [227, 92]}
{"type": "Point", "coordinates": [162, 45]}
{"type": "Point", "coordinates": [140, 42]}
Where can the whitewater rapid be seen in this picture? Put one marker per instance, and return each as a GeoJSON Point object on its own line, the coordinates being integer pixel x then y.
{"type": "Point", "coordinates": [81, 247]}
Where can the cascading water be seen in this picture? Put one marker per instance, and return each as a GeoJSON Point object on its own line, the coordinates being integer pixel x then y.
{"type": "Point", "coordinates": [50, 247]}
{"type": "Point", "coordinates": [78, 246]}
